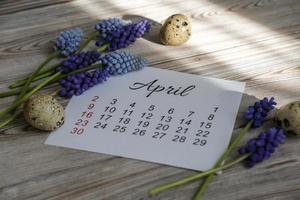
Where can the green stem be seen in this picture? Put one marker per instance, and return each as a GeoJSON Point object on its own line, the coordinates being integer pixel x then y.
{"type": "Point", "coordinates": [22, 99]}
{"type": "Point", "coordinates": [47, 71]}
{"type": "Point", "coordinates": [11, 93]}
{"type": "Point", "coordinates": [10, 119]}
{"type": "Point", "coordinates": [77, 72]}
{"type": "Point", "coordinates": [32, 76]}
{"type": "Point", "coordinates": [22, 82]}
{"type": "Point", "coordinates": [53, 79]}
{"type": "Point", "coordinates": [102, 48]}
{"type": "Point", "coordinates": [17, 91]}
{"type": "Point", "coordinates": [87, 41]}
{"type": "Point", "coordinates": [230, 149]}
{"type": "Point", "coordinates": [194, 177]}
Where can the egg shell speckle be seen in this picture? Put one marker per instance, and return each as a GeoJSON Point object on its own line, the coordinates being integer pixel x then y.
{"type": "Point", "coordinates": [44, 112]}
{"type": "Point", "coordinates": [288, 117]}
{"type": "Point", "coordinates": [176, 30]}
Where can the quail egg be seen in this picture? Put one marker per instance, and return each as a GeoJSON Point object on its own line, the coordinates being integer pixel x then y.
{"type": "Point", "coordinates": [288, 117]}
{"type": "Point", "coordinates": [44, 112]}
{"type": "Point", "coordinates": [176, 30]}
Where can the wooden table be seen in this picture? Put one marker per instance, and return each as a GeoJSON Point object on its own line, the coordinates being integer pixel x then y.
{"type": "Point", "coordinates": [256, 41]}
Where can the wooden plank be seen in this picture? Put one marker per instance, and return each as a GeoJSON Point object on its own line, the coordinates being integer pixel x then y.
{"type": "Point", "coordinates": [10, 7]}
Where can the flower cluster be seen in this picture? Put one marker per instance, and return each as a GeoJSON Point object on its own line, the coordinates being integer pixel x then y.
{"type": "Point", "coordinates": [78, 83]}
{"type": "Point", "coordinates": [114, 63]}
{"type": "Point", "coordinates": [78, 61]}
{"type": "Point", "coordinates": [263, 146]}
{"type": "Point", "coordinates": [120, 33]}
{"type": "Point", "coordinates": [109, 25]}
{"type": "Point", "coordinates": [259, 111]}
{"type": "Point", "coordinates": [68, 41]}
{"type": "Point", "coordinates": [121, 62]}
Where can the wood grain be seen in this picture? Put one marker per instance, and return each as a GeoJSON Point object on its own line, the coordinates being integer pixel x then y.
{"type": "Point", "coordinates": [256, 41]}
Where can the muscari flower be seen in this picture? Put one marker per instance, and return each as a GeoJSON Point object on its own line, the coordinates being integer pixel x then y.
{"type": "Point", "coordinates": [68, 41]}
{"type": "Point", "coordinates": [262, 147]}
{"type": "Point", "coordinates": [259, 111]}
{"type": "Point", "coordinates": [78, 61]}
{"type": "Point", "coordinates": [121, 62]}
{"type": "Point", "coordinates": [112, 24]}
{"type": "Point", "coordinates": [114, 63]}
{"type": "Point", "coordinates": [78, 83]}
{"type": "Point", "coordinates": [119, 33]}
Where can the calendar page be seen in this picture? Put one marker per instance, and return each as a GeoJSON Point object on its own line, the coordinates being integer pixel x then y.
{"type": "Point", "coordinates": [154, 115]}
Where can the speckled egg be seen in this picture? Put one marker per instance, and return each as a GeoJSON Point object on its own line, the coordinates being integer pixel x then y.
{"type": "Point", "coordinates": [288, 117]}
{"type": "Point", "coordinates": [44, 112]}
{"type": "Point", "coordinates": [176, 30]}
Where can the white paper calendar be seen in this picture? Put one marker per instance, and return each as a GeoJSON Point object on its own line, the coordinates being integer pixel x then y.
{"type": "Point", "coordinates": [154, 115]}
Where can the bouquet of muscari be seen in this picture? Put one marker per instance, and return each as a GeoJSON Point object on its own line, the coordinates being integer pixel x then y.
{"type": "Point", "coordinates": [80, 70]}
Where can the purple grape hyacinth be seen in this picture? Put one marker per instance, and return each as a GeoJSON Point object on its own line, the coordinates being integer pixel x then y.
{"type": "Point", "coordinates": [263, 146]}
{"type": "Point", "coordinates": [114, 63]}
{"type": "Point", "coordinates": [121, 62]}
{"type": "Point", "coordinates": [259, 111]}
{"type": "Point", "coordinates": [78, 61]}
{"type": "Point", "coordinates": [108, 25]}
{"type": "Point", "coordinates": [120, 33]}
{"type": "Point", "coordinates": [79, 83]}
{"type": "Point", "coordinates": [68, 41]}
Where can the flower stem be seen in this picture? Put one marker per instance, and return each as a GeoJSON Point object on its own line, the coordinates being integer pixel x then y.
{"type": "Point", "coordinates": [23, 98]}
{"type": "Point", "coordinates": [87, 41]}
{"type": "Point", "coordinates": [194, 177]}
{"type": "Point", "coordinates": [17, 91]}
{"type": "Point", "coordinates": [10, 119]}
{"type": "Point", "coordinates": [47, 72]}
{"type": "Point", "coordinates": [230, 149]}
{"type": "Point", "coordinates": [102, 48]}
{"type": "Point", "coordinates": [42, 74]}
{"type": "Point", "coordinates": [33, 75]}
{"type": "Point", "coordinates": [52, 79]}
{"type": "Point", "coordinates": [21, 83]}
{"type": "Point", "coordinates": [11, 93]}
{"type": "Point", "coordinates": [76, 72]}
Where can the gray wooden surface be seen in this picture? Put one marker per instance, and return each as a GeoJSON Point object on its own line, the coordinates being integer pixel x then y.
{"type": "Point", "coordinates": [256, 41]}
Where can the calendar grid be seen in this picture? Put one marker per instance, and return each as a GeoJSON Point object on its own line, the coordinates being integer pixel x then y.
{"type": "Point", "coordinates": [137, 118]}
